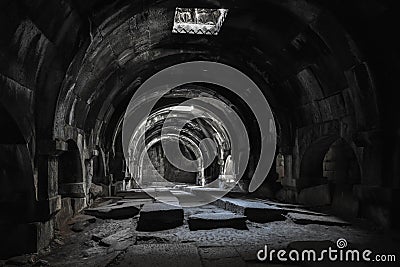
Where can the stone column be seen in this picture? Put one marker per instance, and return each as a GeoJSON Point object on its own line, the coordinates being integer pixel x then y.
{"type": "Point", "coordinates": [38, 234]}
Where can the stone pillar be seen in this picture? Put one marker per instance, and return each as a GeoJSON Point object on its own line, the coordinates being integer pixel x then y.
{"type": "Point", "coordinates": [49, 201]}
{"type": "Point", "coordinates": [289, 182]}
{"type": "Point", "coordinates": [288, 166]}
{"type": "Point", "coordinates": [37, 232]}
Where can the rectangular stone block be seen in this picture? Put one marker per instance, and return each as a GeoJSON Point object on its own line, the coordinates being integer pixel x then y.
{"type": "Point", "coordinates": [115, 211]}
{"type": "Point", "coordinates": [159, 216]}
{"type": "Point", "coordinates": [254, 211]}
{"type": "Point", "coordinates": [207, 221]}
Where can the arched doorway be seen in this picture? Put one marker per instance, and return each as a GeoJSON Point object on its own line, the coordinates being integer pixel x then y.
{"type": "Point", "coordinates": [329, 171]}
{"type": "Point", "coordinates": [158, 170]}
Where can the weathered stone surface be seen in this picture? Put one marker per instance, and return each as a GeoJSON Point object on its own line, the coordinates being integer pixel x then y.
{"type": "Point", "coordinates": [218, 252]}
{"type": "Point", "coordinates": [79, 226]}
{"type": "Point", "coordinates": [165, 196]}
{"type": "Point", "coordinates": [206, 194]}
{"type": "Point", "coordinates": [187, 199]}
{"type": "Point", "coordinates": [254, 211]}
{"type": "Point", "coordinates": [157, 255]}
{"type": "Point", "coordinates": [95, 190]}
{"type": "Point", "coordinates": [76, 190]}
{"type": "Point", "coordinates": [221, 256]}
{"type": "Point", "coordinates": [138, 201]}
{"type": "Point", "coordinates": [82, 218]}
{"type": "Point", "coordinates": [249, 252]}
{"type": "Point", "coordinates": [64, 214]}
{"type": "Point", "coordinates": [315, 219]}
{"type": "Point", "coordinates": [118, 237]}
{"type": "Point", "coordinates": [206, 221]}
{"type": "Point", "coordinates": [78, 204]}
{"type": "Point", "coordinates": [115, 211]}
{"type": "Point", "coordinates": [80, 222]}
{"type": "Point", "coordinates": [134, 193]}
{"type": "Point", "coordinates": [316, 196]}
{"type": "Point", "coordinates": [159, 216]}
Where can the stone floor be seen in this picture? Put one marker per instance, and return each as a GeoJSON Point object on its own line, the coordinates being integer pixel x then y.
{"type": "Point", "coordinates": [90, 241]}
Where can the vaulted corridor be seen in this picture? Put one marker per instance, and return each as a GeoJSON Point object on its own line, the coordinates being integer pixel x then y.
{"type": "Point", "coordinates": [191, 125]}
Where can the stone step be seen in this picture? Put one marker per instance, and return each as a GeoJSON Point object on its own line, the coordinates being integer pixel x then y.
{"type": "Point", "coordinates": [159, 216]}
{"type": "Point", "coordinates": [254, 211]}
{"type": "Point", "coordinates": [207, 221]}
{"type": "Point", "coordinates": [119, 210]}
{"type": "Point", "coordinates": [316, 219]}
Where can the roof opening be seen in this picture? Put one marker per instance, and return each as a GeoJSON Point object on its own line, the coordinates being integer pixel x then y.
{"type": "Point", "coordinates": [199, 20]}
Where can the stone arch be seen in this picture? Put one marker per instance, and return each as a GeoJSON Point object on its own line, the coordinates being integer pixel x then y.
{"type": "Point", "coordinates": [311, 172]}
{"type": "Point", "coordinates": [168, 171]}
{"type": "Point", "coordinates": [328, 173]}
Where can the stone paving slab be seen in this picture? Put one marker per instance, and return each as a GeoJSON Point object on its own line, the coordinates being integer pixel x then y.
{"type": "Point", "coordinates": [249, 252]}
{"type": "Point", "coordinates": [218, 252]}
{"type": "Point", "coordinates": [121, 210]}
{"type": "Point", "coordinates": [164, 196]}
{"type": "Point", "coordinates": [207, 221]}
{"type": "Point", "coordinates": [134, 194]}
{"type": "Point", "coordinates": [161, 255]}
{"type": "Point", "coordinates": [255, 211]}
{"type": "Point", "coordinates": [315, 219]}
{"type": "Point", "coordinates": [159, 216]}
{"type": "Point", "coordinates": [187, 199]}
{"type": "Point", "coordinates": [206, 194]}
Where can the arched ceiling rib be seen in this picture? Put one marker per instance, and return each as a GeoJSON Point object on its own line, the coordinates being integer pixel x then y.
{"type": "Point", "coordinates": [298, 58]}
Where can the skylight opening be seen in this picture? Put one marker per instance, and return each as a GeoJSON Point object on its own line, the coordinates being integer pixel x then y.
{"type": "Point", "coordinates": [199, 20]}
